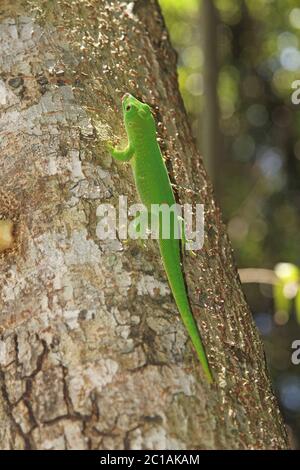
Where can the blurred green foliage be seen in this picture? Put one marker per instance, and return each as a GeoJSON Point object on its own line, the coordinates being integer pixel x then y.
{"type": "Point", "coordinates": [259, 59]}
{"type": "Point", "coordinates": [258, 185]}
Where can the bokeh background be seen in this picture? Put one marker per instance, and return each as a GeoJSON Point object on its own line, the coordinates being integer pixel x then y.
{"type": "Point", "coordinates": [238, 61]}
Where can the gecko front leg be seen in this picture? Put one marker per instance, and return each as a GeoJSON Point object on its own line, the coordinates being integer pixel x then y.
{"type": "Point", "coordinates": [122, 155]}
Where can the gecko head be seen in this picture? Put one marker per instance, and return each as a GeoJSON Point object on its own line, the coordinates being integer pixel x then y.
{"type": "Point", "coordinates": [134, 110]}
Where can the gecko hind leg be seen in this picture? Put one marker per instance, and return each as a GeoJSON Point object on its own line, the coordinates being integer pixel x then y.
{"type": "Point", "coordinates": [184, 240]}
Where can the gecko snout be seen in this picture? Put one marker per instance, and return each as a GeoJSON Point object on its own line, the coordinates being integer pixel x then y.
{"type": "Point", "coordinates": [125, 96]}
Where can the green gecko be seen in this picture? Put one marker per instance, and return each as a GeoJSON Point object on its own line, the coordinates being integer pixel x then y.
{"type": "Point", "coordinates": [154, 187]}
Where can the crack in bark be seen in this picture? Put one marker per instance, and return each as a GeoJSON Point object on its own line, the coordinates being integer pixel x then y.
{"type": "Point", "coordinates": [28, 443]}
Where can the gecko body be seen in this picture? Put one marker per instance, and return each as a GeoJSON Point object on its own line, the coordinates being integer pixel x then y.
{"type": "Point", "coordinates": [154, 187]}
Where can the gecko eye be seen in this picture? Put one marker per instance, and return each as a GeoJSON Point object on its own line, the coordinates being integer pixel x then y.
{"type": "Point", "coordinates": [128, 107]}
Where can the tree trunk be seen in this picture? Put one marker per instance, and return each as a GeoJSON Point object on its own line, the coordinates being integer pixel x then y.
{"type": "Point", "coordinates": [92, 352]}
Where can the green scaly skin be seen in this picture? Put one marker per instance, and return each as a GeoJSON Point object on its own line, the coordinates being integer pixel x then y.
{"type": "Point", "coordinates": [154, 187]}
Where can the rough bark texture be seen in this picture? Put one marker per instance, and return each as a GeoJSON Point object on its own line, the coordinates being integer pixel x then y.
{"type": "Point", "coordinates": [92, 351]}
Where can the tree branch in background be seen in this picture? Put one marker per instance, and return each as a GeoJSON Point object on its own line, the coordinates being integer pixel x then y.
{"type": "Point", "coordinates": [209, 132]}
{"type": "Point", "coordinates": [258, 276]}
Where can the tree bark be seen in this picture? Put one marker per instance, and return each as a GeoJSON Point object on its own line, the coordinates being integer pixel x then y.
{"type": "Point", "coordinates": [92, 350]}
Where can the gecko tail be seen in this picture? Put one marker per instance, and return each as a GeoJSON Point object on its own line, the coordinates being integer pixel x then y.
{"type": "Point", "coordinates": [192, 328]}
{"type": "Point", "coordinates": [175, 277]}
